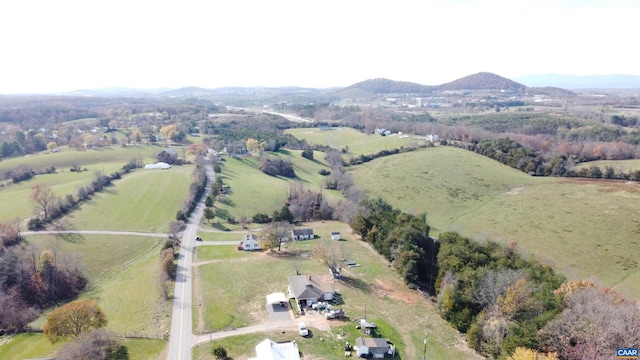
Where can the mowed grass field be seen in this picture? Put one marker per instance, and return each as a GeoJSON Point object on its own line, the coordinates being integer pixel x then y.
{"type": "Point", "coordinates": [64, 181]}
{"type": "Point", "coordinates": [587, 229]}
{"type": "Point", "coordinates": [144, 200]}
{"type": "Point", "coordinates": [358, 142]}
{"type": "Point", "coordinates": [402, 315]}
{"type": "Point", "coordinates": [252, 191]}
{"type": "Point", "coordinates": [36, 345]}
{"type": "Point", "coordinates": [122, 272]}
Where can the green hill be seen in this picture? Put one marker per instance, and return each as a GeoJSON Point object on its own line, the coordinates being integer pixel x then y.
{"type": "Point", "coordinates": [583, 228]}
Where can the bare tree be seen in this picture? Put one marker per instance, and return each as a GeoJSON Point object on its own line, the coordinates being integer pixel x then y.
{"type": "Point", "coordinates": [42, 198]}
{"type": "Point", "coordinates": [274, 234]}
{"type": "Point", "coordinates": [330, 253]}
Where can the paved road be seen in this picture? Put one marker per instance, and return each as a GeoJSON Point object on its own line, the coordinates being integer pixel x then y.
{"type": "Point", "coordinates": [181, 336]}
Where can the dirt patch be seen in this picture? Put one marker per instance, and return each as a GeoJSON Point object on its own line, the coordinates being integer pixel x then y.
{"type": "Point", "coordinates": [387, 290]}
{"type": "Point", "coordinates": [515, 190]}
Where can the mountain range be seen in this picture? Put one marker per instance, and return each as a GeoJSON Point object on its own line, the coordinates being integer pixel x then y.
{"type": "Point", "coordinates": [556, 85]}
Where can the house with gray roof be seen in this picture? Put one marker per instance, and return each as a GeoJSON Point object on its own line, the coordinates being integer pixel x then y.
{"type": "Point", "coordinates": [309, 289]}
{"type": "Point", "coordinates": [302, 234]}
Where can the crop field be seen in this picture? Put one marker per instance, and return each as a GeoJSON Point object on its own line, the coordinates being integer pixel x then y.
{"type": "Point", "coordinates": [373, 288]}
{"type": "Point", "coordinates": [252, 191]}
{"type": "Point", "coordinates": [144, 200]}
{"type": "Point", "coordinates": [585, 229]}
{"type": "Point", "coordinates": [357, 142]}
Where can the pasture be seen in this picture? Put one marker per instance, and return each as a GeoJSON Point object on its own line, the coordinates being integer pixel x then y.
{"type": "Point", "coordinates": [356, 141]}
{"type": "Point", "coordinates": [122, 274]}
{"type": "Point", "coordinates": [251, 191]}
{"type": "Point", "coordinates": [35, 345]}
{"type": "Point", "coordinates": [623, 166]}
{"type": "Point", "coordinates": [144, 200]}
{"type": "Point", "coordinates": [586, 229]}
{"type": "Point", "coordinates": [63, 181]}
{"type": "Point", "coordinates": [222, 304]}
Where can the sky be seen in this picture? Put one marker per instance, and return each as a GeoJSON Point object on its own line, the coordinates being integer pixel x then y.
{"type": "Point", "coordinates": [64, 45]}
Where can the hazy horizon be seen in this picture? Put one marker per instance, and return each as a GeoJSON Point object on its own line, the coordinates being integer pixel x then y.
{"type": "Point", "coordinates": [63, 46]}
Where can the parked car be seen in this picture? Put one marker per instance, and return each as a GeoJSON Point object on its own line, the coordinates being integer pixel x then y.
{"type": "Point", "coordinates": [198, 238]}
{"type": "Point", "coordinates": [302, 329]}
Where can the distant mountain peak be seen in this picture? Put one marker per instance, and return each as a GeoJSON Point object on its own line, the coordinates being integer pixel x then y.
{"type": "Point", "coordinates": [483, 81]}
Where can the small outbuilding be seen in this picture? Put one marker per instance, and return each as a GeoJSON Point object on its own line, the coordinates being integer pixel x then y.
{"type": "Point", "coordinates": [378, 348]}
{"type": "Point", "coordinates": [335, 235]}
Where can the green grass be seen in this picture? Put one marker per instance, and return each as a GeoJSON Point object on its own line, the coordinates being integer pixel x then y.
{"type": "Point", "coordinates": [64, 181]}
{"type": "Point", "coordinates": [27, 346]}
{"type": "Point", "coordinates": [36, 345]}
{"type": "Point", "coordinates": [625, 166]}
{"type": "Point", "coordinates": [252, 191]}
{"type": "Point", "coordinates": [356, 141]}
{"type": "Point", "coordinates": [586, 229]}
{"type": "Point", "coordinates": [374, 285]}
{"type": "Point", "coordinates": [103, 256]}
{"type": "Point", "coordinates": [122, 273]}
{"type": "Point", "coordinates": [145, 200]}
{"type": "Point", "coordinates": [204, 253]}
{"type": "Point", "coordinates": [443, 182]}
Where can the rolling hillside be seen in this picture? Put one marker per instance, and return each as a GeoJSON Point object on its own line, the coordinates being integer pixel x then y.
{"type": "Point", "coordinates": [580, 227]}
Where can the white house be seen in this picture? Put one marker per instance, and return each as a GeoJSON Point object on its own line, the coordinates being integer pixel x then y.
{"type": "Point", "coordinates": [377, 347]}
{"type": "Point", "coordinates": [250, 242]}
{"type": "Point", "coordinates": [432, 137]}
{"type": "Point", "coordinates": [302, 234]}
{"type": "Point", "coordinates": [271, 350]}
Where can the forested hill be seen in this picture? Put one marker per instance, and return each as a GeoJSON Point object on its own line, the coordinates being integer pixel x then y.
{"type": "Point", "coordinates": [479, 81]}
{"type": "Point", "coordinates": [482, 81]}
{"type": "Point", "coordinates": [386, 86]}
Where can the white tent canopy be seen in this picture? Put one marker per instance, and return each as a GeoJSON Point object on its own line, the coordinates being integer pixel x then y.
{"type": "Point", "coordinates": [276, 298]}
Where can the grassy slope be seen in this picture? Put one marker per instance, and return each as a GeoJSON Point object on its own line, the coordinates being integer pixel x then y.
{"type": "Point", "coordinates": [374, 285]}
{"type": "Point", "coordinates": [253, 192]}
{"type": "Point", "coordinates": [585, 229]}
{"type": "Point", "coordinates": [145, 200]}
{"type": "Point", "coordinates": [625, 166]}
{"type": "Point", "coordinates": [358, 142]}
{"type": "Point", "coordinates": [444, 182]}
{"type": "Point", "coordinates": [62, 182]}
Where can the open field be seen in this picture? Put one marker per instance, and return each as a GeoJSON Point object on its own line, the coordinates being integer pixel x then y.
{"type": "Point", "coordinates": [68, 157]}
{"type": "Point", "coordinates": [144, 200]}
{"type": "Point", "coordinates": [62, 182]}
{"type": "Point", "coordinates": [373, 286]}
{"type": "Point", "coordinates": [585, 229]}
{"type": "Point", "coordinates": [358, 142]}
{"type": "Point", "coordinates": [36, 345]}
{"type": "Point", "coordinates": [251, 191]}
{"type": "Point", "coordinates": [625, 166]}
{"type": "Point", "coordinates": [122, 273]}
{"type": "Point", "coordinates": [443, 182]}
